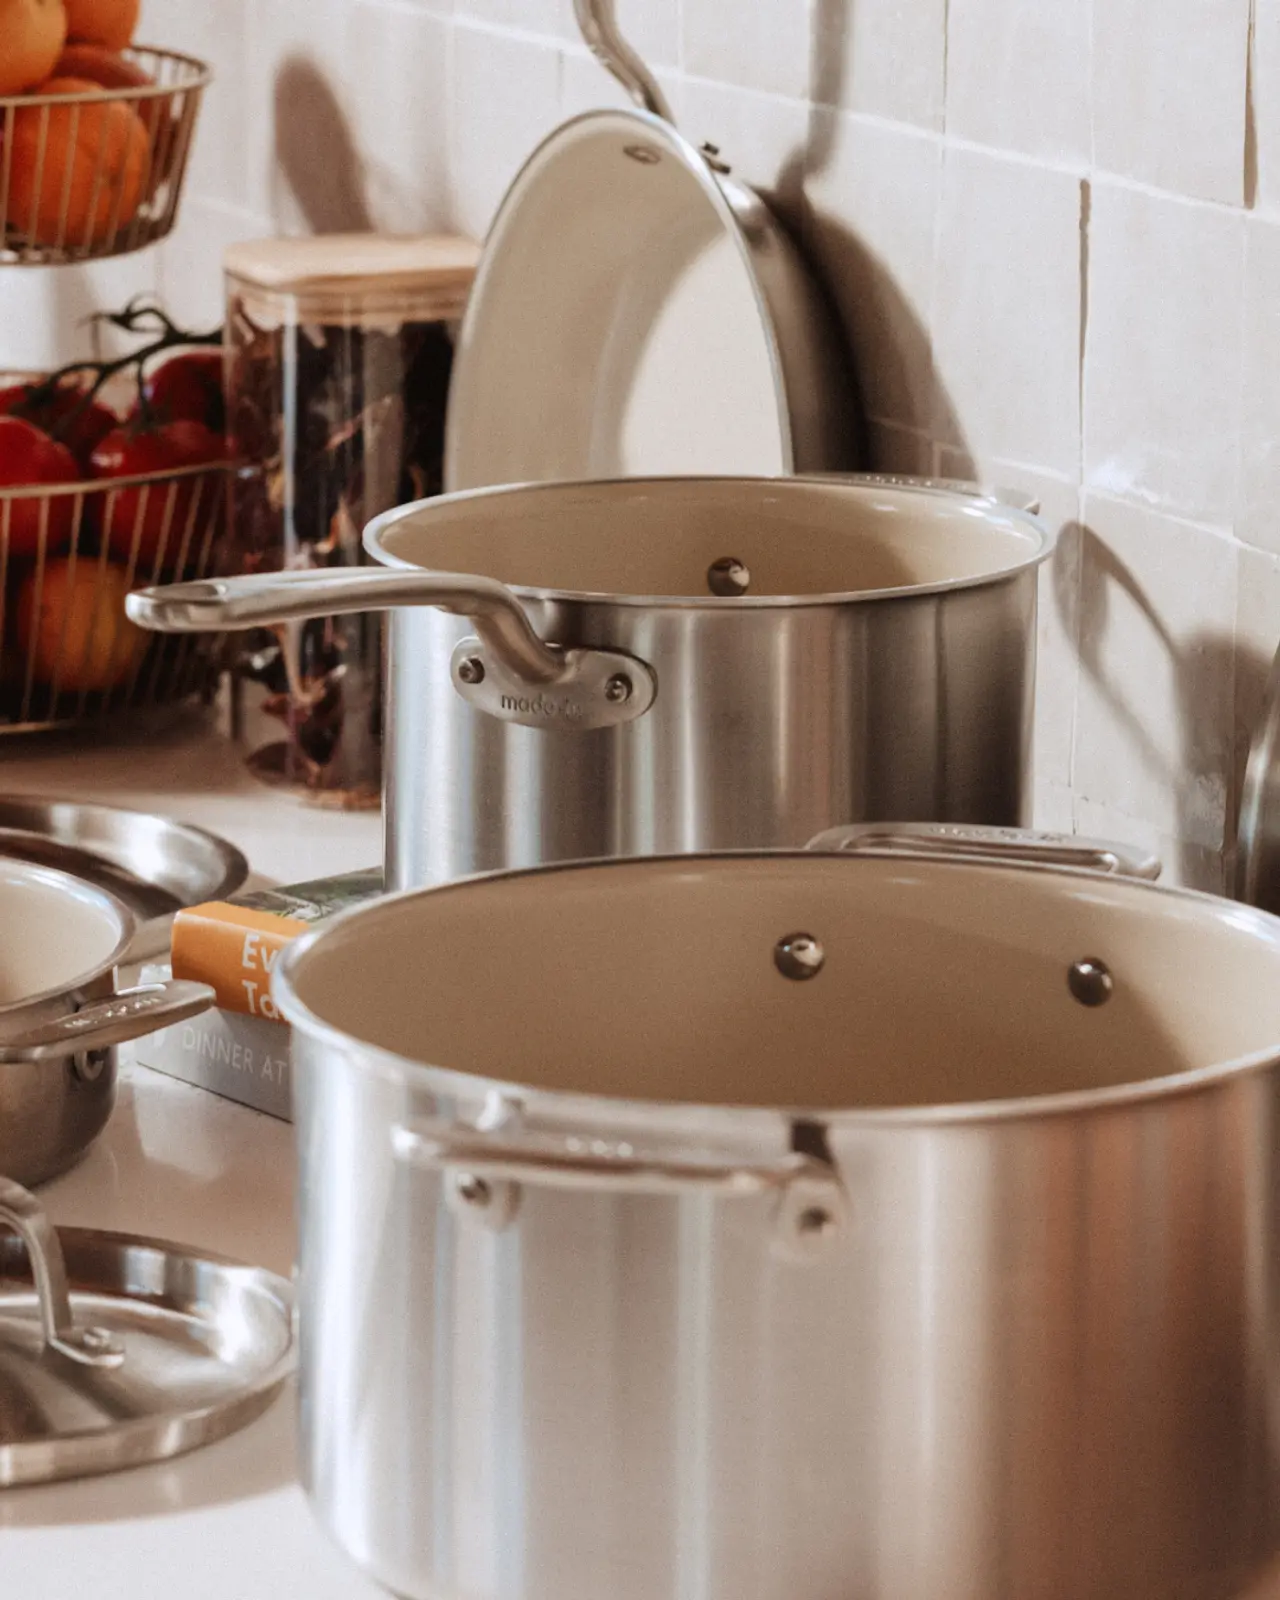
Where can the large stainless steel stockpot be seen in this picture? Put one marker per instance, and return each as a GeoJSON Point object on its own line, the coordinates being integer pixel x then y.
{"type": "Point", "coordinates": [792, 1225]}
{"type": "Point", "coordinates": [679, 664]}
{"type": "Point", "coordinates": [61, 1015]}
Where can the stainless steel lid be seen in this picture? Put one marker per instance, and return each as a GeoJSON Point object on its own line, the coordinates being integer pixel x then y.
{"type": "Point", "coordinates": [116, 1351]}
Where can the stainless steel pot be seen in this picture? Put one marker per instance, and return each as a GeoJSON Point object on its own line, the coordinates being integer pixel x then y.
{"type": "Point", "coordinates": [680, 664]}
{"type": "Point", "coordinates": [61, 1015]}
{"type": "Point", "coordinates": [792, 1225]}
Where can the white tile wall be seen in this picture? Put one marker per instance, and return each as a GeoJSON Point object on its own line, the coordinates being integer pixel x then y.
{"type": "Point", "coordinates": [1162, 358]}
{"type": "Point", "coordinates": [1052, 229]}
{"type": "Point", "coordinates": [1007, 311]}
{"type": "Point", "coordinates": [1169, 81]}
{"type": "Point", "coordinates": [886, 58]}
{"type": "Point", "coordinates": [1018, 76]}
{"type": "Point", "coordinates": [1153, 736]}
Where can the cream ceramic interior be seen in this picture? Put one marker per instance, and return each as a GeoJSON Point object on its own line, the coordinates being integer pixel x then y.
{"type": "Point", "coordinates": [54, 931]}
{"type": "Point", "coordinates": [797, 536]}
{"type": "Point", "coordinates": [943, 984]}
{"type": "Point", "coordinates": [630, 271]}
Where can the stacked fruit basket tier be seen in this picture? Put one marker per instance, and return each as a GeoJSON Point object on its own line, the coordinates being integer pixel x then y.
{"type": "Point", "coordinates": [69, 553]}
{"type": "Point", "coordinates": [97, 172]}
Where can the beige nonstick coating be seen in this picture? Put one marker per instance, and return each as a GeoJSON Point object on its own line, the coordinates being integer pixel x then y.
{"type": "Point", "coordinates": [801, 536]}
{"type": "Point", "coordinates": [54, 931]}
{"type": "Point", "coordinates": [943, 983]}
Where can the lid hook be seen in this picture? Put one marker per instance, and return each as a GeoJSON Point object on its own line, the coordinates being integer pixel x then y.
{"type": "Point", "coordinates": [599, 28]}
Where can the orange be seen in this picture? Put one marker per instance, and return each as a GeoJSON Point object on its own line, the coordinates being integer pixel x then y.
{"type": "Point", "coordinates": [100, 65]}
{"type": "Point", "coordinates": [114, 71]}
{"type": "Point", "coordinates": [95, 165]}
{"type": "Point", "coordinates": [109, 22]}
{"type": "Point", "coordinates": [81, 636]}
{"type": "Point", "coordinates": [31, 35]}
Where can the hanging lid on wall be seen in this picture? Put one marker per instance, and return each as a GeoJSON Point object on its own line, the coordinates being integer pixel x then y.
{"type": "Point", "coordinates": [637, 312]}
{"type": "Point", "coordinates": [115, 1350]}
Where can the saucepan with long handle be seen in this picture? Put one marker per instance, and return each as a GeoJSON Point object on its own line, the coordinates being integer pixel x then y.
{"type": "Point", "coordinates": [651, 665]}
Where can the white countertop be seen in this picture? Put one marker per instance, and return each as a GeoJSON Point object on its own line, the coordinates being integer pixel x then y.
{"type": "Point", "coordinates": [227, 1522]}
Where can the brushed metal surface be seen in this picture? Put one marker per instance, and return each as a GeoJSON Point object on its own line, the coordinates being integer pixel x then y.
{"type": "Point", "coordinates": [117, 1350]}
{"type": "Point", "coordinates": [1258, 832]}
{"type": "Point", "coordinates": [1036, 1363]}
{"type": "Point", "coordinates": [61, 1014]}
{"type": "Point", "coordinates": [880, 666]}
{"type": "Point", "coordinates": [768, 726]}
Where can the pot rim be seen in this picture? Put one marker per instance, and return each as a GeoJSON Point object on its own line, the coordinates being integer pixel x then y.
{"type": "Point", "coordinates": [1045, 539]}
{"type": "Point", "coordinates": [676, 1115]}
{"type": "Point", "coordinates": [67, 883]}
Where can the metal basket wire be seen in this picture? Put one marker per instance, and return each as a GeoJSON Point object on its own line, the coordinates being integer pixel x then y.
{"type": "Point", "coordinates": [79, 180]}
{"type": "Point", "coordinates": [103, 538]}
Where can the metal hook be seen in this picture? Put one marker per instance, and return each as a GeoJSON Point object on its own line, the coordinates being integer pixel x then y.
{"type": "Point", "coordinates": [599, 28]}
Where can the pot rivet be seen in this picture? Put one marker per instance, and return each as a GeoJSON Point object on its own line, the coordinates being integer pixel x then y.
{"type": "Point", "coordinates": [618, 689]}
{"type": "Point", "coordinates": [471, 669]}
{"type": "Point", "coordinates": [645, 154]}
{"type": "Point", "coordinates": [799, 956]}
{"type": "Point", "coordinates": [475, 1191]}
{"type": "Point", "coordinates": [728, 577]}
{"type": "Point", "coordinates": [1090, 981]}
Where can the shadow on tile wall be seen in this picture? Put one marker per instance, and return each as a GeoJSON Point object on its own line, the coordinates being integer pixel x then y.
{"type": "Point", "coordinates": [1207, 668]}
{"type": "Point", "coordinates": [882, 327]}
{"type": "Point", "coordinates": [316, 152]}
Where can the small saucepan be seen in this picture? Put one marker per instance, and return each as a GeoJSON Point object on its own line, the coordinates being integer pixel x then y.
{"type": "Point", "coordinates": [61, 1015]}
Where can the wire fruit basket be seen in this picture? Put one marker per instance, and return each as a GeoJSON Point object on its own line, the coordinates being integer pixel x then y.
{"type": "Point", "coordinates": [69, 553]}
{"type": "Point", "coordinates": [97, 173]}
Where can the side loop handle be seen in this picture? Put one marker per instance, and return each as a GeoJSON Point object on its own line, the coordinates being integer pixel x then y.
{"type": "Point", "coordinates": [972, 842]}
{"type": "Point", "coordinates": [488, 1168]}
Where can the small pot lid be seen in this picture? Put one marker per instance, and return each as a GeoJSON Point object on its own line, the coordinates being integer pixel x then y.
{"type": "Point", "coordinates": [117, 1351]}
{"type": "Point", "coordinates": [616, 327]}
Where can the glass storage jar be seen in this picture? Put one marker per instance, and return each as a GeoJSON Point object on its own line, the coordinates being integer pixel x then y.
{"type": "Point", "coordinates": [339, 349]}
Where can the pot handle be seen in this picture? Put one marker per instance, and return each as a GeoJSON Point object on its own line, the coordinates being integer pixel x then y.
{"type": "Point", "coordinates": [1015, 499]}
{"type": "Point", "coordinates": [507, 670]}
{"type": "Point", "coordinates": [973, 842]}
{"type": "Point", "coordinates": [812, 1204]}
{"type": "Point", "coordinates": [91, 1347]}
{"type": "Point", "coordinates": [102, 1023]}
{"type": "Point", "coordinates": [599, 28]}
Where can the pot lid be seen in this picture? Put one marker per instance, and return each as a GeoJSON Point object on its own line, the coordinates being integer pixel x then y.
{"type": "Point", "coordinates": [116, 1351]}
{"type": "Point", "coordinates": [616, 326]}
